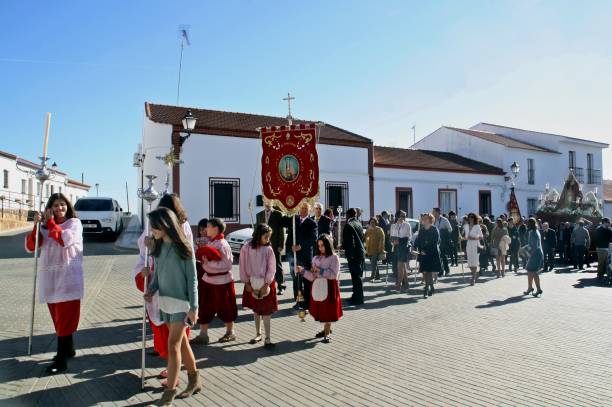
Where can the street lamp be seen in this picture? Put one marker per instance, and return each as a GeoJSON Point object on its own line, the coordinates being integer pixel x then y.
{"type": "Point", "coordinates": [97, 186]}
{"type": "Point", "coordinates": [189, 122]}
{"type": "Point", "coordinates": [515, 168]}
{"type": "Point", "coordinates": [339, 209]}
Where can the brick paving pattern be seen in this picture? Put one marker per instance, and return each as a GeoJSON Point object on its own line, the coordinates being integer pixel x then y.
{"type": "Point", "coordinates": [479, 346]}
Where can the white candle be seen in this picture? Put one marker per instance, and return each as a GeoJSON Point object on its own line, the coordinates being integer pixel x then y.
{"type": "Point", "coordinates": [46, 135]}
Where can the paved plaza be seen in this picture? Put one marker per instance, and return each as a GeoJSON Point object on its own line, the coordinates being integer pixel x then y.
{"type": "Point", "coordinates": [477, 346]}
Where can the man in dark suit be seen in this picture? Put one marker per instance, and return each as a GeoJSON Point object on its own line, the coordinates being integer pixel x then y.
{"type": "Point", "coordinates": [549, 242]}
{"type": "Point", "coordinates": [274, 218]}
{"type": "Point", "coordinates": [354, 250]}
{"type": "Point", "coordinates": [324, 223]}
{"type": "Point", "coordinates": [305, 241]}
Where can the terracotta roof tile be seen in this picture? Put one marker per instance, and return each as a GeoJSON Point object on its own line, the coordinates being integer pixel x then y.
{"type": "Point", "coordinates": [500, 139]}
{"type": "Point", "coordinates": [245, 123]}
{"type": "Point", "coordinates": [427, 160]}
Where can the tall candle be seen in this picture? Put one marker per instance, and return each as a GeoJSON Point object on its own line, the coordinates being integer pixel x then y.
{"type": "Point", "coordinates": [46, 135]}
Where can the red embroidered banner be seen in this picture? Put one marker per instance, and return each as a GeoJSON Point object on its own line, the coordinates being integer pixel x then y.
{"type": "Point", "coordinates": [513, 208]}
{"type": "Point", "coordinates": [290, 165]}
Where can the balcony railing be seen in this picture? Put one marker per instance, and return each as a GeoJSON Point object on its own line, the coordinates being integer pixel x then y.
{"type": "Point", "coordinates": [593, 176]}
{"type": "Point", "coordinates": [578, 173]}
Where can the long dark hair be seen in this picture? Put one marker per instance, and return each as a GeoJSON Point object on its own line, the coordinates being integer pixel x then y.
{"type": "Point", "coordinates": [58, 196]}
{"type": "Point", "coordinates": [327, 243]}
{"type": "Point", "coordinates": [532, 224]}
{"type": "Point", "coordinates": [173, 202]}
{"type": "Point", "coordinates": [164, 219]}
{"type": "Point", "coordinates": [260, 230]}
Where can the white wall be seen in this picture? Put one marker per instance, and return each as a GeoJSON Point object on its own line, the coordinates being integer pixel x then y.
{"type": "Point", "coordinates": [425, 185]}
{"type": "Point", "coordinates": [156, 141]}
{"type": "Point", "coordinates": [608, 209]}
{"type": "Point", "coordinates": [214, 156]}
{"type": "Point", "coordinates": [453, 141]}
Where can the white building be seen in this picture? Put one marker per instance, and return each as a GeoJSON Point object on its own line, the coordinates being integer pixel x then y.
{"type": "Point", "coordinates": [18, 189]}
{"type": "Point", "coordinates": [417, 180]}
{"type": "Point", "coordinates": [464, 170]}
{"type": "Point", "coordinates": [220, 173]}
{"type": "Point", "coordinates": [544, 159]}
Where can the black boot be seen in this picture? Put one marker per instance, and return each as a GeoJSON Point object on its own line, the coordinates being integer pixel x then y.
{"type": "Point", "coordinates": [68, 344]}
{"type": "Point", "coordinates": [431, 290]}
{"type": "Point", "coordinates": [59, 361]}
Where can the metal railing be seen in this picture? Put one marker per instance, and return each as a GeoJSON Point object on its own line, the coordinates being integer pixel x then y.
{"type": "Point", "coordinates": [578, 173]}
{"type": "Point", "coordinates": [593, 176]}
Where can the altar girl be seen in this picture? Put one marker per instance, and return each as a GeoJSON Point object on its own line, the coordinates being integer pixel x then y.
{"type": "Point", "coordinates": [325, 302]}
{"type": "Point", "coordinates": [60, 273]}
{"type": "Point", "coordinates": [257, 270]}
{"type": "Point", "coordinates": [217, 289]}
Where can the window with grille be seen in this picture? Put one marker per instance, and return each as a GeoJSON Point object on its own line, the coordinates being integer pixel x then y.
{"type": "Point", "coordinates": [530, 171]}
{"type": "Point", "coordinates": [447, 200]}
{"type": "Point", "coordinates": [224, 200]}
{"type": "Point", "coordinates": [403, 201]}
{"type": "Point", "coordinates": [337, 194]}
{"type": "Point", "coordinates": [6, 179]}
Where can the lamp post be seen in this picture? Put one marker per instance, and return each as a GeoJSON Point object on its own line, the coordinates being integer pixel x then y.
{"type": "Point", "coordinates": [514, 168]}
{"type": "Point", "coordinates": [189, 122]}
{"type": "Point", "coordinates": [149, 194]}
{"type": "Point", "coordinates": [97, 189]}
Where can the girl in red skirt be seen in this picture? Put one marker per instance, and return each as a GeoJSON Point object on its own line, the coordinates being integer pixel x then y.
{"type": "Point", "coordinates": [257, 269]}
{"type": "Point", "coordinates": [60, 274]}
{"type": "Point", "coordinates": [217, 290]}
{"type": "Point", "coordinates": [325, 303]}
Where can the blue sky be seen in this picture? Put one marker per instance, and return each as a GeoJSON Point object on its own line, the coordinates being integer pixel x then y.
{"type": "Point", "coordinates": [375, 68]}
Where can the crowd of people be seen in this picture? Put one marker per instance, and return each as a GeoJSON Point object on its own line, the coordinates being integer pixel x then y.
{"type": "Point", "coordinates": [188, 281]}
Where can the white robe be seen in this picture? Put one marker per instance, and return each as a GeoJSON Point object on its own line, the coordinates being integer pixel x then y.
{"type": "Point", "coordinates": [60, 268]}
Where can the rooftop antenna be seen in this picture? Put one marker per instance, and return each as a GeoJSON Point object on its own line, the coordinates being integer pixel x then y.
{"type": "Point", "coordinates": [184, 33]}
{"type": "Point", "coordinates": [413, 136]}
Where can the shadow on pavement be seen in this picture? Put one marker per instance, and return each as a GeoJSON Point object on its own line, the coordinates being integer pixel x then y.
{"type": "Point", "coordinates": [113, 388]}
{"type": "Point", "coordinates": [507, 301]}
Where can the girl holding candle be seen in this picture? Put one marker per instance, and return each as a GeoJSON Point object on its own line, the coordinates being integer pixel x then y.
{"type": "Point", "coordinates": [60, 278]}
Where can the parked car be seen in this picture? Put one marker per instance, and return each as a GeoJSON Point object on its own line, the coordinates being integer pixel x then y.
{"type": "Point", "coordinates": [237, 238]}
{"type": "Point", "coordinates": [100, 216]}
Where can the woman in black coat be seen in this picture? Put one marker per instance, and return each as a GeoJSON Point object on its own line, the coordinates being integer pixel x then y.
{"type": "Point", "coordinates": [428, 246]}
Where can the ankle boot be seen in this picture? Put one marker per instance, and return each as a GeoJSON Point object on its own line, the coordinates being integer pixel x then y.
{"type": "Point", "coordinates": [194, 384]}
{"type": "Point", "coordinates": [59, 360]}
{"type": "Point", "coordinates": [167, 398]}
{"type": "Point", "coordinates": [69, 344]}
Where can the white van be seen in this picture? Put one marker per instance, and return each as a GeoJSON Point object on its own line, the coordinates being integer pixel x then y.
{"type": "Point", "coordinates": [101, 216]}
